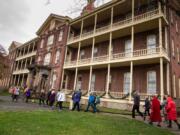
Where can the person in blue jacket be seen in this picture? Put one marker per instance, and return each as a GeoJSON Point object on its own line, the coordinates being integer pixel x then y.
{"type": "Point", "coordinates": [91, 102]}
{"type": "Point", "coordinates": [76, 97]}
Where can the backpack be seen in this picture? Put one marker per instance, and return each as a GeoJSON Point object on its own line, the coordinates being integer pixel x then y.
{"type": "Point", "coordinates": [97, 101]}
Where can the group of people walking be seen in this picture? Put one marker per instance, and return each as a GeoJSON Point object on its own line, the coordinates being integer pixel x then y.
{"type": "Point", "coordinates": [153, 108]}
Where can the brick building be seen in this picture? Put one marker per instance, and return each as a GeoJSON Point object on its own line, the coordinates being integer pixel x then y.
{"type": "Point", "coordinates": [122, 46]}
{"type": "Point", "coordinates": [47, 71]}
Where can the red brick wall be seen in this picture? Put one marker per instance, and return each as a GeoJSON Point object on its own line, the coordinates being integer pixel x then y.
{"type": "Point", "coordinates": [173, 35]}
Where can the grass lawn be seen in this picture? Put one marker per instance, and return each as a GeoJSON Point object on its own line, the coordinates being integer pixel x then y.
{"type": "Point", "coordinates": [71, 123]}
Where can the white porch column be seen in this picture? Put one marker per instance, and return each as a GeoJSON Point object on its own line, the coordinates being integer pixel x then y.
{"type": "Point", "coordinates": [75, 78]}
{"type": "Point", "coordinates": [132, 41]}
{"type": "Point", "coordinates": [160, 28]}
{"type": "Point", "coordinates": [110, 46]}
{"type": "Point", "coordinates": [18, 80]}
{"type": "Point", "coordinates": [79, 48]}
{"type": "Point", "coordinates": [90, 78]}
{"type": "Point", "coordinates": [112, 14]}
{"type": "Point", "coordinates": [107, 81]}
{"type": "Point", "coordinates": [22, 82]}
{"type": "Point", "coordinates": [131, 81]}
{"type": "Point", "coordinates": [82, 25]}
{"type": "Point", "coordinates": [168, 78]}
{"type": "Point", "coordinates": [95, 23]}
{"type": "Point", "coordinates": [166, 40]}
{"type": "Point", "coordinates": [161, 79]}
{"type": "Point", "coordinates": [133, 10]}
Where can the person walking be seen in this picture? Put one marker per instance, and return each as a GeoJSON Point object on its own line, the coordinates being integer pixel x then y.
{"type": "Point", "coordinates": [16, 94]}
{"type": "Point", "coordinates": [11, 91]}
{"type": "Point", "coordinates": [48, 97]}
{"type": "Point", "coordinates": [155, 115]}
{"type": "Point", "coordinates": [171, 112]}
{"type": "Point", "coordinates": [42, 97]}
{"type": "Point", "coordinates": [60, 99]}
{"type": "Point", "coordinates": [52, 99]}
{"type": "Point", "coordinates": [136, 105]}
{"type": "Point", "coordinates": [91, 102]}
{"type": "Point", "coordinates": [97, 101]}
{"type": "Point", "coordinates": [147, 106]}
{"type": "Point", "coordinates": [28, 94]}
{"type": "Point", "coordinates": [76, 97]}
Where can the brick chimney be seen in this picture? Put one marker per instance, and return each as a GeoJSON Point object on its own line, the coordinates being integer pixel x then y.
{"type": "Point", "coordinates": [89, 7]}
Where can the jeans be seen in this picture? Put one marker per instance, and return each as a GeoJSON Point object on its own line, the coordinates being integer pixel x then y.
{"type": "Point", "coordinates": [93, 107]}
{"type": "Point", "coordinates": [136, 108]}
{"type": "Point", "coordinates": [76, 105]}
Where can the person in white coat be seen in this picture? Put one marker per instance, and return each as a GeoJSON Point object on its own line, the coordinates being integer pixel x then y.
{"type": "Point", "coordinates": [60, 99]}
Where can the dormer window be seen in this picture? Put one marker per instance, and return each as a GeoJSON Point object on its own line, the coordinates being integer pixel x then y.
{"type": "Point", "coordinates": [50, 40]}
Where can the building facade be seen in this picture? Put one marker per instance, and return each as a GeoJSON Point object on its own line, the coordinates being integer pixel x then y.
{"type": "Point", "coordinates": [124, 46]}
{"type": "Point", "coordinates": [47, 71]}
{"type": "Point", "coordinates": [21, 57]}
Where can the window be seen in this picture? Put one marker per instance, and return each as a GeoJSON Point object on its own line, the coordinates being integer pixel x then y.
{"type": "Point", "coordinates": [126, 82]}
{"type": "Point", "coordinates": [57, 57]}
{"type": "Point", "coordinates": [47, 59]}
{"type": "Point", "coordinates": [82, 53]}
{"type": "Point", "coordinates": [60, 35]}
{"type": "Point", "coordinates": [50, 40]}
{"type": "Point", "coordinates": [178, 54]}
{"type": "Point", "coordinates": [151, 82]}
{"type": "Point", "coordinates": [79, 82]}
{"type": "Point", "coordinates": [174, 85]}
{"type": "Point", "coordinates": [171, 16]}
{"type": "Point", "coordinates": [151, 43]}
{"type": "Point", "coordinates": [177, 30]}
{"type": "Point", "coordinates": [128, 47]}
{"type": "Point", "coordinates": [53, 80]}
{"type": "Point", "coordinates": [39, 58]}
{"type": "Point", "coordinates": [93, 80]}
{"type": "Point", "coordinates": [42, 43]}
{"type": "Point", "coordinates": [95, 51]}
{"type": "Point", "coordinates": [173, 49]}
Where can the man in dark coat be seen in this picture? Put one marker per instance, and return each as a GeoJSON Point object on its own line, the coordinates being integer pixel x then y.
{"type": "Point", "coordinates": [76, 97]}
{"type": "Point", "coordinates": [136, 105]}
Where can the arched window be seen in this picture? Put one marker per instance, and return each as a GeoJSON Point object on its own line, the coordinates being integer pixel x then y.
{"type": "Point", "coordinates": [47, 59]}
{"type": "Point", "coordinates": [57, 57]}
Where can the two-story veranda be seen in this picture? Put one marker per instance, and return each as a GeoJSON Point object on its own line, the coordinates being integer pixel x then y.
{"type": "Point", "coordinates": [120, 47]}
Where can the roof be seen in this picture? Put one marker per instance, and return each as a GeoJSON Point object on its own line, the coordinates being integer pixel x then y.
{"type": "Point", "coordinates": [59, 17]}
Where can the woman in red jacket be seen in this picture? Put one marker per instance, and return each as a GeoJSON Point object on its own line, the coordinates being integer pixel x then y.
{"type": "Point", "coordinates": [155, 115]}
{"type": "Point", "coordinates": [171, 112]}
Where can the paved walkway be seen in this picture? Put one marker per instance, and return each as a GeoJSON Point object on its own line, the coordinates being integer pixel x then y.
{"type": "Point", "coordinates": [7, 105]}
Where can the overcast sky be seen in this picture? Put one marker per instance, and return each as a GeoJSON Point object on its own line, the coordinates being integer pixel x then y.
{"type": "Point", "coordinates": [20, 19]}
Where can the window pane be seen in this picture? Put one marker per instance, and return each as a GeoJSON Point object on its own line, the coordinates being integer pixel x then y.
{"type": "Point", "coordinates": [151, 82]}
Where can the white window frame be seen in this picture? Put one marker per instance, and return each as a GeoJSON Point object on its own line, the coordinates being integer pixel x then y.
{"type": "Point", "coordinates": [177, 30]}
{"type": "Point", "coordinates": [57, 56]}
{"type": "Point", "coordinates": [82, 53]}
{"type": "Point", "coordinates": [151, 44]}
{"type": "Point", "coordinates": [50, 40]}
{"type": "Point", "coordinates": [128, 47]}
{"type": "Point", "coordinates": [54, 78]}
{"type": "Point", "coordinates": [126, 84]}
{"type": "Point", "coordinates": [79, 83]}
{"type": "Point", "coordinates": [61, 35]}
{"type": "Point", "coordinates": [42, 43]}
{"type": "Point", "coordinates": [151, 82]}
{"type": "Point", "coordinates": [173, 48]}
{"type": "Point", "coordinates": [95, 51]}
{"type": "Point", "coordinates": [47, 59]}
{"type": "Point", "coordinates": [174, 85]}
{"type": "Point", "coordinates": [171, 16]}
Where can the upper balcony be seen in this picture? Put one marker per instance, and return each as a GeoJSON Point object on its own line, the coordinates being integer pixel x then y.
{"type": "Point", "coordinates": [119, 24]}
{"type": "Point", "coordinates": [137, 55]}
{"type": "Point", "coordinates": [31, 54]}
